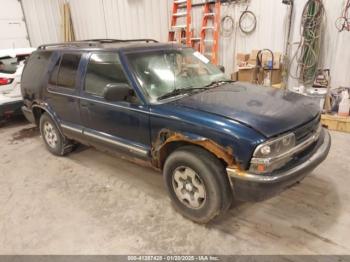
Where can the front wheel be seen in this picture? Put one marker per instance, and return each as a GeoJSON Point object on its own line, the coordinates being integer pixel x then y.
{"type": "Point", "coordinates": [197, 184]}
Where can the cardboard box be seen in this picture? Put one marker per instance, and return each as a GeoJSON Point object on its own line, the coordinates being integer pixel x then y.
{"type": "Point", "coordinates": [247, 75]}
{"type": "Point", "coordinates": [337, 123]}
{"type": "Point", "coordinates": [277, 64]}
{"type": "Point", "coordinates": [252, 62]}
{"type": "Point", "coordinates": [267, 60]}
{"type": "Point", "coordinates": [253, 54]}
{"type": "Point", "coordinates": [241, 59]}
{"type": "Point", "coordinates": [252, 57]}
{"type": "Point", "coordinates": [276, 76]}
{"type": "Point", "coordinates": [234, 76]}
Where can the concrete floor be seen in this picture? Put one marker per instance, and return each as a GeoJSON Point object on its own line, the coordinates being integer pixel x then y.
{"type": "Point", "coordinates": [93, 203]}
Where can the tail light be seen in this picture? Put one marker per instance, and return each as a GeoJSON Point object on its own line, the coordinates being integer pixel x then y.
{"type": "Point", "coordinates": [5, 81]}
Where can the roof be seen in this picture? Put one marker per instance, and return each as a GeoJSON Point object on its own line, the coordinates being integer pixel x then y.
{"type": "Point", "coordinates": [130, 44]}
{"type": "Point", "coordinates": [15, 52]}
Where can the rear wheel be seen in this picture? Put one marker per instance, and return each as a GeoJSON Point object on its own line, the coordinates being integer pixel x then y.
{"type": "Point", "coordinates": [197, 184]}
{"type": "Point", "coordinates": [55, 142]}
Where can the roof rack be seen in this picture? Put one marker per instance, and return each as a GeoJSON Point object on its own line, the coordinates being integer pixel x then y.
{"type": "Point", "coordinates": [94, 42]}
{"type": "Point", "coordinates": [122, 40]}
{"type": "Point", "coordinates": [70, 44]}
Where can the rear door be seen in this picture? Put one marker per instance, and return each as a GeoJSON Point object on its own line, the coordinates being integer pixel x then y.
{"type": "Point", "coordinates": [121, 124]}
{"type": "Point", "coordinates": [62, 92]}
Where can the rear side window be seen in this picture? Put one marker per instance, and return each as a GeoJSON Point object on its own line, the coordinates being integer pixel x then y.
{"type": "Point", "coordinates": [35, 70]}
{"type": "Point", "coordinates": [103, 69]}
{"type": "Point", "coordinates": [65, 71]}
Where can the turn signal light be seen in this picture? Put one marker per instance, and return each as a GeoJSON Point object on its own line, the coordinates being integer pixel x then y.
{"type": "Point", "coordinates": [261, 168]}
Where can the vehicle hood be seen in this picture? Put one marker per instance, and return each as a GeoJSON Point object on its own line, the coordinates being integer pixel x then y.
{"type": "Point", "coordinates": [269, 111]}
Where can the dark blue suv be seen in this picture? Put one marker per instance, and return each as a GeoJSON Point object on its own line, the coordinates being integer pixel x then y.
{"type": "Point", "coordinates": [167, 105]}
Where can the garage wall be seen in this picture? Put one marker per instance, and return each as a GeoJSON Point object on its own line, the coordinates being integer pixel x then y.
{"type": "Point", "coordinates": [336, 46]}
{"type": "Point", "coordinates": [13, 32]}
{"type": "Point", "coordinates": [150, 19]}
{"type": "Point", "coordinates": [270, 33]}
{"type": "Point", "coordinates": [98, 19]}
{"type": "Point", "coordinates": [43, 20]}
{"type": "Point", "coordinates": [120, 19]}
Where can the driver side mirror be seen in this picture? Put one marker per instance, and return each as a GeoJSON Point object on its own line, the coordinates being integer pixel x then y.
{"type": "Point", "coordinates": [116, 92]}
{"type": "Point", "coordinates": [222, 68]}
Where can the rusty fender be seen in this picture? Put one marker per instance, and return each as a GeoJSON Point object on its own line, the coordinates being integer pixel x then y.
{"type": "Point", "coordinates": [166, 137]}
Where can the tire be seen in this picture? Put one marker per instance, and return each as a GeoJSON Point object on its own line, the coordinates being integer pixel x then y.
{"type": "Point", "coordinates": [55, 142]}
{"type": "Point", "coordinates": [190, 171]}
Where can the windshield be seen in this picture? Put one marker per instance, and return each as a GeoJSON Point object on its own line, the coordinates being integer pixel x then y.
{"type": "Point", "coordinates": [162, 72]}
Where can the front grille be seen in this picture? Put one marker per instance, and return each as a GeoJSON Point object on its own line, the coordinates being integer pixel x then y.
{"type": "Point", "coordinates": [305, 131]}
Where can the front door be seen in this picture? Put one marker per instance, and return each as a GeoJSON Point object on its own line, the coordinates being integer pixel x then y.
{"type": "Point", "coordinates": [120, 124]}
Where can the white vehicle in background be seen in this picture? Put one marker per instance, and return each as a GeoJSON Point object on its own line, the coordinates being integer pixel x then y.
{"type": "Point", "coordinates": [11, 66]}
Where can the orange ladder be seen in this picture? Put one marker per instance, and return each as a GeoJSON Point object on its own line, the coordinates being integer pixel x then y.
{"type": "Point", "coordinates": [181, 33]}
{"type": "Point", "coordinates": [210, 46]}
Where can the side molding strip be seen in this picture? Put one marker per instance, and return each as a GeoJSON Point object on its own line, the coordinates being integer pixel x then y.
{"type": "Point", "coordinates": [130, 148]}
{"type": "Point", "coordinates": [104, 138]}
{"type": "Point", "coordinates": [70, 128]}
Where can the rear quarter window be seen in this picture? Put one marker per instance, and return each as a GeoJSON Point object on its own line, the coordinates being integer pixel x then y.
{"type": "Point", "coordinates": [35, 70]}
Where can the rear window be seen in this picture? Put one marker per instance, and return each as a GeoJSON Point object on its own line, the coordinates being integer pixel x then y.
{"type": "Point", "coordinates": [8, 65]}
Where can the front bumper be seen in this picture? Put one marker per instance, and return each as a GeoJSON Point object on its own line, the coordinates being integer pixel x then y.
{"type": "Point", "coordinates": [252, 187]}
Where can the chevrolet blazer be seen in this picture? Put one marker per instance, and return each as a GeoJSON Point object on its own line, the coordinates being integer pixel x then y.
{"type": "Point", "coordinates": [214, 140]}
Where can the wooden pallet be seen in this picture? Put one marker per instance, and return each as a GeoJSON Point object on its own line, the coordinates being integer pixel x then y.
{"type": "Point", "coordinates": [336, 123]}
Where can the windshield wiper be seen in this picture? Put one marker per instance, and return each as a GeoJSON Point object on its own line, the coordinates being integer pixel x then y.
{"type": "Point", "coordinates": [190, 89]}
{"type": "Point", "coordinates": [180, 91]}
{"type": "Point", "coordinates": [214, 83]}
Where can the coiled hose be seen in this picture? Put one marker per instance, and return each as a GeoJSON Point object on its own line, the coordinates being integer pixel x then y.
{"type": "Point", "coordinates": [308, 52]}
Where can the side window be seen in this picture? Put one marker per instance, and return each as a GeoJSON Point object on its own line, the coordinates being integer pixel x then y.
{"type": "Point", "coordinates": [65, 71]}
{"type": "Point", "coordinates": [54, 74]}
{"type": "Point", "coordinates": [103, 69]}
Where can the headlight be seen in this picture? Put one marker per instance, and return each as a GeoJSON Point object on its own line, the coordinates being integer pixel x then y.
{"type": "Point", "coordinates": [270, 155]}
{"type": "Point", "coordinates": [275, 147]}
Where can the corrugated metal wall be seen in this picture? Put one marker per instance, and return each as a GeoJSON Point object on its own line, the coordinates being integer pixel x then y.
{"type": "Point", "coordinates": [150, 19]}
{"type": "Point", "coordinates": [98, 19]}
{"type": "Point", "coordinates": [13, 32]}
{"type": "Point", "coordinates": [43, 20]}
{"type": "Point", "coordinates": [120, 19]}
{"type": "Point", "coordinates": [270, 33]}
